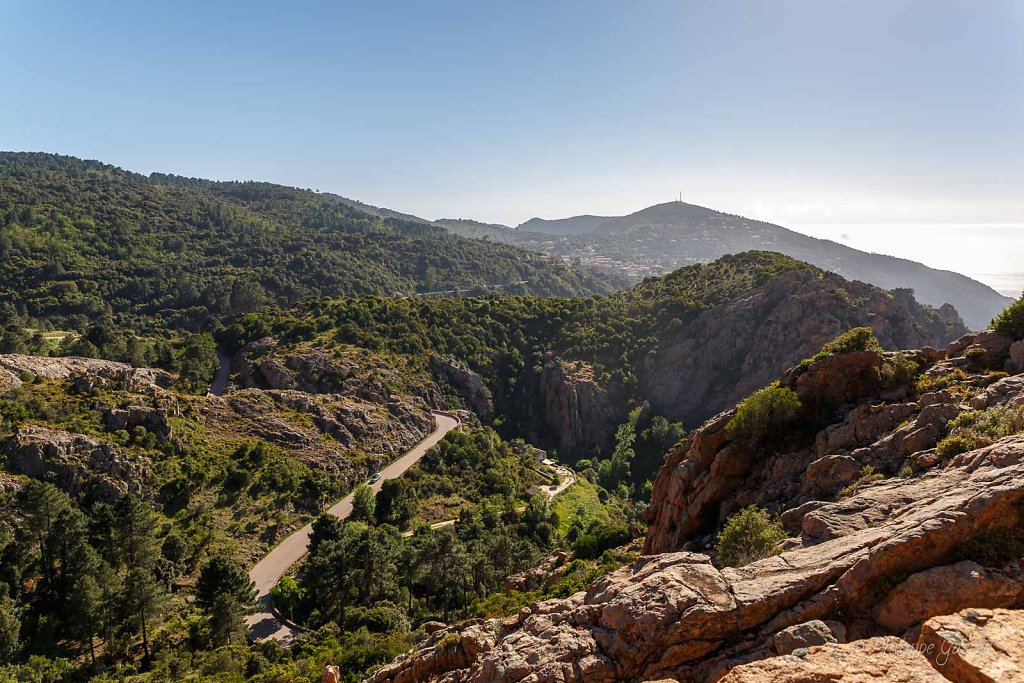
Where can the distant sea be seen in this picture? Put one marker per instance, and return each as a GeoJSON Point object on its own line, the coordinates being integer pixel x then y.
{"type": "Point", "coordinates": [992, 253]}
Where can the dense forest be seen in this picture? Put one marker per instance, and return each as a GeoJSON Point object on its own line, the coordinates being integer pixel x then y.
{"type": "Point", "coordinates": [102, 586]}
{"type": "Point", "coordinates": [514, 341]}
{"type": "Point", "coordinates": [81, 239]}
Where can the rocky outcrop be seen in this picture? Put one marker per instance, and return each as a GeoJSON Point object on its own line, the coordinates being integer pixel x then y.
{"type": "Point", "coordinates": [976, 645]}
{"type": "Point", "coordinates": [544, 575]}
{"type": "Point", "coordinates": [100, 372]}
{"type": "Point", "coordinates": [352, 372]}
{"type": "Point", "coordinates": [726, 353]}
{"type": "Point", "coordinates": [322, 430]}
{"type": "Point", "coordinates": [874, 660]}
{"type": "Point", "coordinates": [581, 412]}
{"type": "Point", "coordinates": [675, 615]}
{"type": "Point", "coordinates": [865, 428]}
{"type": "Point", "coordinates": [942, 590]}
{"type": "Point", "coordinates": [469, 385]}
{"type": "Point", "coordinates": [78, 465]}
{"type": "Point", "coordinates": [9, 484]}
{"type": "Point", "coordinates": [152, 419]}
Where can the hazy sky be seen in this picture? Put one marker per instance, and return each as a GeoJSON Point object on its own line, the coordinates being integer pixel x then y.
{"type": "Point", "coordinates": [798, 111]}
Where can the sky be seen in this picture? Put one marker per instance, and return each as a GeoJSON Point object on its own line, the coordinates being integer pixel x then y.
{"type": "Point", "coordinates": [802, 112]}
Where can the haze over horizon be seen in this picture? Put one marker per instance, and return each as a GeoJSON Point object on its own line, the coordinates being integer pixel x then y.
{"type": "Point", "coordinates": [801, 113]}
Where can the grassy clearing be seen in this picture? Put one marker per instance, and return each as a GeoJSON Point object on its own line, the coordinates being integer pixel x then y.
{"type": "Point", "coordinates": [579, 501]}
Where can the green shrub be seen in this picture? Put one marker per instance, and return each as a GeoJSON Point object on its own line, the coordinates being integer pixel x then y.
{"type": "Point", "coordinates": [976, 356]}
{"type": "Point", "coordinates": [749, 535]}
{"type": "Point", "coordinates": [1010, 322]}
{"type": "Point", "coordinates": [994, 376]}
{"type": "Point", "coordinates": [900, 371]}
{"type": "Point", "coordinates": [929, 383]}
{"type": "Point", "coordinates": [954, 445]}
{"type": "Point", "coordinates": [599, 537]}
{"type": "Point", "coordinates": [449, 640]}
{"type": "Point", "coordinates": [994, 547]}
{"type": "Point", "coordinates": [867, 475]}
{"type": "Point", "coordinates": [979, 428]}
{"type": "Point", "coordinates": [857, 339]}
{"type": "Point", "coordinates": [762, 415]}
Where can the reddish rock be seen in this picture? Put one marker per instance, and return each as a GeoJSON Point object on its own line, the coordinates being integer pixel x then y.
{"type": "Point", "coordinates": [808, 634]}
{"type": "Point", "coordinates": [876, 660]}
{"type": "Point", "coordinates": [976, 645]}
{"type": "Point", "coordinates": [943, 590]}
{"type": "Point", "coordinates": [839, 378]}
{"type": "Point", "coordinates": [829, 474]}
{"type": "Point", "coordinates": [676, 615]}
{"type": "Point", "coordinates": [1016, 362]}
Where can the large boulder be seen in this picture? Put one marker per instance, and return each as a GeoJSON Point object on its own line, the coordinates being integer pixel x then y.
{"type": "Point", "coordinates": [808, 634]}
{"type": "Point", "coordinates": [976, 645]}
{"type": "Point", "coordinates": [942, 590]}
{"type": "Point", "coordinates": [875, 660]}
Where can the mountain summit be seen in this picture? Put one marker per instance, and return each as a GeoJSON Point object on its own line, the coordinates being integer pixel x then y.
{"type": "Point", "coordinates": [666, 236]}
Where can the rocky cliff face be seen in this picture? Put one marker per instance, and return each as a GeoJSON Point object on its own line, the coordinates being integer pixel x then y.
{"type": "Point", "coordinates": [723, 354]}
{"type": "Point", "coordinates": [108, 373]}
{"type": "Point", "coordinates": [873, 425]}
{"type": "Point", "coordinates": [582, 413]}
{"type": "Point", "coordinates": [873, 559]}
{"type": "Point", "coordinates": [468, 384]}
{"type": "Point", "coordinates": [76, 464]}
{"type": "Point", "coordinates": [731, 350]}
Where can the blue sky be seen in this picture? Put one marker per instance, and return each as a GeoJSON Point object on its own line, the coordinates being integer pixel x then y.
{"type": "Point", "coordinates": [799, 111]}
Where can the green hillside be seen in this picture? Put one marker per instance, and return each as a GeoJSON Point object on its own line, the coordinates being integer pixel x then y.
{"type": "Point", "coordinates": [79, 239]}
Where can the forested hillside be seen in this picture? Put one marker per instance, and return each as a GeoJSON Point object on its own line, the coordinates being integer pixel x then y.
{"type": "Point", "coordinates": [79, 239]}
{"type": "Point", "coordinates": [565, 372]}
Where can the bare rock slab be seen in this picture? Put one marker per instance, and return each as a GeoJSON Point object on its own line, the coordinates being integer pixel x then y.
{"type": "Point", "coordinates": [887, 659]}
{"type": "Point", "coordinates": [976, 645]}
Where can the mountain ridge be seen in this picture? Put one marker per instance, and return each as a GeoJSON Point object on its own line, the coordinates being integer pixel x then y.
{"type": "Point", "coordinates": [662, 237]}
{"type": "Point", "coordinates": [82, 239]}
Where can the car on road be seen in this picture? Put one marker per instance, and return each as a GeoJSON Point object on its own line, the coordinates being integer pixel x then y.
{"type": "Point", "coordinates": [375, 478]}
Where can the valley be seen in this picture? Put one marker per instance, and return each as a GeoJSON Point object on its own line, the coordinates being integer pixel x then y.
{"type": "Point", "coordinates": [457, 473]}
{"type": "Point", "coordinates": [354, 342]}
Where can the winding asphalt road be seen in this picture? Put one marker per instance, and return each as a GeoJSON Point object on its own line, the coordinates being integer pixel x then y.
{"type": "Point", "coordinates": [265, 624]}
{"type": "Point", "coordinates": [220, 381]}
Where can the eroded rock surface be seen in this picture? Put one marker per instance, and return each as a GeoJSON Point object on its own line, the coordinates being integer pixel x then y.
{"type": "Point", "coordinates": [870, 429]}
{"type": "Point", "coordinates": [875, 660]}
{"type": "Point", "coordinates": [581, 412]}
{"type": "Point", "coordinates": [676, 615]}
{"type": "Point", "coordinates": [976, 645]}
{"type": "Point", "coordinates": [76, 464]}
{"type": "Point", "coordinates": [120, 375]}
